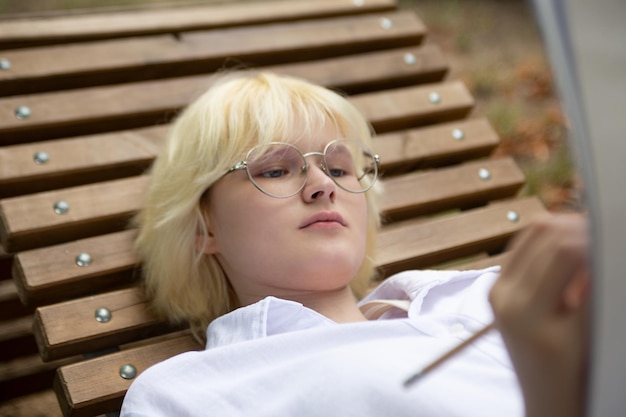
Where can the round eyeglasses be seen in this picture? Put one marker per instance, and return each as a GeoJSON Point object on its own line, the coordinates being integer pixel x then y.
{"type": "Point", "coordinates": [280, 169]}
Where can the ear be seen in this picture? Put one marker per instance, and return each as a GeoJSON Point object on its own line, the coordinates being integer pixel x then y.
{"type": "Point", "coordinates": [206, 241]}
{"type": "Point", "coordinates": [206, 244]}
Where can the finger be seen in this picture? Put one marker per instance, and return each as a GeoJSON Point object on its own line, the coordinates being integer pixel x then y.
{"type": "Point", "coordinates": [561, 259]}
{"type": "Point", "coordinates": [523, 246]}
{"type": "Point", "coordinates": [543, 261]}
{"type": "Point", "coordinates": [577, 292]}
{"type": "Point", "coordinates": [567, 266]}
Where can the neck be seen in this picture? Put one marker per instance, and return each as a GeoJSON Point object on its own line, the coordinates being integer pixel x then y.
{"type": "Point", "coordinates": [339, 306]}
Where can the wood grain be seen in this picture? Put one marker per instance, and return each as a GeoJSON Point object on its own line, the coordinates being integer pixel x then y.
{"type": "Point", "coordinates": [80, 27]}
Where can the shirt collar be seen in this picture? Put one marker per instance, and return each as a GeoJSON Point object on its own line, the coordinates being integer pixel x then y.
{"type": "Point", "coordinates": [414, 287]}
{"type": "Point", "coordinates": [274, 315]}
{"type": "Point", "coordinates": [264, 318]}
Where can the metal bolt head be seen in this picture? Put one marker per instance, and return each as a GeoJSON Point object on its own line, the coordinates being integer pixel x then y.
{"type": "Point", "coordinates": [484, 174]}
{"type": "Point", "coordinates": [458, 134]}
{"type": "Point", "coordinates": [61, 207]}
{"type": "Point", "coordinates": [386, 23]}
{"type": "Point", "coordinates": [22, 112]}
{"type": "Point", "coordinates": [5, 64]}
{"type": "Point", "coordinates": [128, 371]}
{"type": "Point", "coordinates": [512, 216]}
{"type": "Point", "coordinates": [434, 97]}
{"type": "Point", "coordinates": [41, 157]}
{"type": "Point", "coordinates": [83, 259]}
{"type": "Point", "coordinates": [409, 59]}
{"type": "Point", "coordinates": [103, 315]}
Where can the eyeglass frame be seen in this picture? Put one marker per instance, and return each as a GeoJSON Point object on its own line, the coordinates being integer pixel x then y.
{"type": "Point", "coordinates": [243, 165]}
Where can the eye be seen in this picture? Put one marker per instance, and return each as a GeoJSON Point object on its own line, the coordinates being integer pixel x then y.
{"type": "Point", "coordinates": [274, 162]}
{"type": "Point", "coordinates": [336, 172]}
{"type": "Point", "coordinates": [274, 173]}
{"type": "Point", "coordinates": [339, 161]}
{"type": "Point", "coordinates": [339, 165]}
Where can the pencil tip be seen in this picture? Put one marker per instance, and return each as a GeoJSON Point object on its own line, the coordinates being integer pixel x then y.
{"type": "Point", "coordinates": [412, 380]}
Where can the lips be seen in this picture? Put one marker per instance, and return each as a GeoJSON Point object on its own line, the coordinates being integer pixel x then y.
{"type": "Point", "coordinates": [331, 217]}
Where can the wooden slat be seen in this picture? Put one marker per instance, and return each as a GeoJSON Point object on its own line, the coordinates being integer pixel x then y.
{"type": "Point", "coordinates": [75, 112]}
{"type": "Point", "coordinates": [78, 161]}
{"type": "Point", "coordinates": [373, 70]}
{"type": "Point", "coordinates": [70, 113]}
{"type": "Point", "coordinates": [94, 209]}
{"type": "Point", "coordinates": [435, 145]}
{"type": "Point", "coordinates": [415, 244]}
{"type": "Point", "coordinates": [66, 28]}
{"type": "Point", "coordinates": [410, 107]}
{"type": "Point", "coordinates": [51, 274]}
{"type": "Point", "coordinates": [71, 328]}
{"type": "Point", "coordinates": [95, 386]}
{"type": "Point", "coordinates": [162, 56]}
{"type": "Point", "coordinates": [459, 186]}
{"type": "Point", "coordinates": [313, 39]}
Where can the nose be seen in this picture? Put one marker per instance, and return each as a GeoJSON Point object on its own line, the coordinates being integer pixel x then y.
{"type": "Point", "coordinates": [319, 186]}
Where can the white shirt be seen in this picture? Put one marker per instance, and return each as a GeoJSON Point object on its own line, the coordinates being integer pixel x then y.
{"type": "Point", "coordinates": [279, 358]}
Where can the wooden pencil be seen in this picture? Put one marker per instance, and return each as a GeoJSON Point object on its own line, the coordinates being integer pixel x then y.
{"type": "Point", "coordinates": [449, 354]}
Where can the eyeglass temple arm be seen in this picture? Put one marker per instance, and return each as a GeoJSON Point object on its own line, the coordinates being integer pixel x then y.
{"type": "Point", "coordinates": [376, 164]}
{"type": "Point", "coordinates": [238, 166]}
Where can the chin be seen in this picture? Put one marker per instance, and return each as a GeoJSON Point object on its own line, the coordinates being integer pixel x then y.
{"type": "Point", "coordinates": [332, 277]}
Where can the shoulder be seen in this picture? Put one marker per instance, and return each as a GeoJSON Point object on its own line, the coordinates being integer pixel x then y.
{"type": "Point", "coordinates": [163, 372]}
{"type": "Point", "coordinates": [156, 389]}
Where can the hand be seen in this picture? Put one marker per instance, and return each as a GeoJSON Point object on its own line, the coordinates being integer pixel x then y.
{"type": "Point", "coordinates": [540, 304]}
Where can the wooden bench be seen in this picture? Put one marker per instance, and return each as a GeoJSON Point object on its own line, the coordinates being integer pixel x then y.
{"type": "Point", "coordinates": [85, 101]}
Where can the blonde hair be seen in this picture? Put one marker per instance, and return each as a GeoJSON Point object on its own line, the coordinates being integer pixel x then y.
{"type": "Point", "coordinates": [237, 112]}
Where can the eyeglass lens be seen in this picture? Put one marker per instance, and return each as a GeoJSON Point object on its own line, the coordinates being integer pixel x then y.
{"type": "Point", "coordinates": [280, 169]}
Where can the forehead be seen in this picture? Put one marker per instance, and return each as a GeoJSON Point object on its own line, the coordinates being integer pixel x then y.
{"type": "Point", "coordinates": [311, 137]}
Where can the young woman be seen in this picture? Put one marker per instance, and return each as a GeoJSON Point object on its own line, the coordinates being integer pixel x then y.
{"type": "Point", "coordinates": [258, 230]}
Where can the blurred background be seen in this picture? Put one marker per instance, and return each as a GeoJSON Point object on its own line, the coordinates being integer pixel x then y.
{"type": "Point", "coordinates": [494, 47]}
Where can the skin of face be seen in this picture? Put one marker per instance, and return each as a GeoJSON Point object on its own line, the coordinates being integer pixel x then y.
{"type": "Point", "coordinates": [275, 246]}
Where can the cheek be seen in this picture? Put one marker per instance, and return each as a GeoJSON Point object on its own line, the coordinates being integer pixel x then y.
{"type": "Point", "coordinates": [363, 214]}
{"type": "Point", "coordinates": [239, 222]}
{"type": "Point", "coordinates": [229, 223]}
